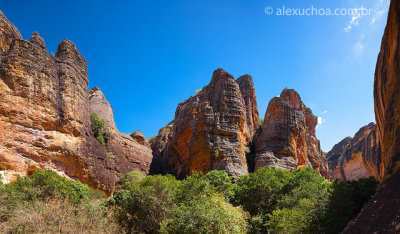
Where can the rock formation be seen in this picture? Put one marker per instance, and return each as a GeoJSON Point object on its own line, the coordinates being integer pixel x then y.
{"type": "Point", "coordinates": [248, 91]}
{"type": "Point", "coordinates": [129, 152]}
{"type": "Point", "coordinates": [333, 157]}
{"type": "Point", "coordinates": [211, 129]}
{"type": "Point", "coordinates": [382, 213]}
{"type": "Point", "coordinates": [288, 138]}
{"type": "Point", "coordinates": [140, 138]}
{"type": "Point", "coordinates": [357, 157]}
{"type": "Point", "coordinates": [44, 114]}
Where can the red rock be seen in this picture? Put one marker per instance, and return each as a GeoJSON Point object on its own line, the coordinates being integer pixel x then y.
{"type": "Point", "coordinates": [382, 213]}
{"type": "Point", "coordinates": [248, 91]}
{"type": "Point", "coordinates": [44, 116]}
{"type": "Point", "coordinates": [357, 157]}
{"type": "Point", "coordinates": [288, 138]}
{"type": "Point", "coordinates": [209, 131]}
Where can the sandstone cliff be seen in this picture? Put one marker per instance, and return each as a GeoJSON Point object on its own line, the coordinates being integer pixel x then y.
{"type": "Point", "coordinates": [288, 139]}
{"type": "Point", "coordinates": [44, 114]}
{"type": "Point", "coordinates": [248, 91]}
{"type": "Point", "coordinates": [357, 157]}
{"type": "Point", "coordinates": [129, 152]}
{"type": "Point", "coordinates": [382, 213]}
{"type": "Point", "coordinates": [211, 128]}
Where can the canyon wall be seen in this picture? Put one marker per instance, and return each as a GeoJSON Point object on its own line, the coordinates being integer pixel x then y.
{"type": "Point", "coordinates": [44, 114]}
{"type": "Point", "coordinates": [288, 139]}
{"type": "Point", "coordinates": [357, 157]}
{"type": "Point", "coordinates": [382, 213]}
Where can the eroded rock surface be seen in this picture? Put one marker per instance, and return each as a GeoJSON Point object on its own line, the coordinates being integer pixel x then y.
{"type": "Point", "coordinates": [248, 91]}
{"type": "Point", "coordinates": [210, 129]}
{"type": "Point", "coordinates": [333, 157]}
{"type": "Point", "coordinates": [357, 157]}
{"type": "Point", "coordinates": [288, 138]}
{"type": "Point", "coordinates": [128, 152]}
{"type": "Point", "coordinates": [44, 115]}
{"type": "Point", "coordinates": [382, 213]}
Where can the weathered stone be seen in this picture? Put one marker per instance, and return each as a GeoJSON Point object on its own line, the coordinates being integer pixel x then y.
{"type": "Point", "coordinates": [382, 213]}
{"type": "Point", "coordinates": [357, 157]}
{"type": "Point", "coordinates": [208, 132]}
{"type": "Point", "coordinates": [127, 153]}
{"type": "Point", "coordinates": [8, 32]}
{"type": "Point", "coordinates": [140, 138]}
{"type": "Point", "coordinates": [37, 40]}
{"type": "Point", "coordinates": [248, 91]}
{"type": "Point", "coordinates": [44, 116]}
{"type": "Point", "coordinates": [288, 138]}
{"type": "Point", "coordinates": [333, 157]}
{"type": "Point", "coordinates": [99, 105]}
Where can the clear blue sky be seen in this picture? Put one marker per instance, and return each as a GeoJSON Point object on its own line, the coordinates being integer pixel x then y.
{"type": "Point", "coordinates": [148, 56]}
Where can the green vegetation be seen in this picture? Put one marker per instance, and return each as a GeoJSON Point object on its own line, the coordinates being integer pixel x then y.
{"type": "Point", "coordinates": [46, 203]}
{"type": "Point", "coordinates": [216, 153]}
{"type": "Point", "coordinates": [98, 129]}
{"type": "Point", "coordinates": [266, 201]}
{"type": "Point", "coordinates": [111, 155]}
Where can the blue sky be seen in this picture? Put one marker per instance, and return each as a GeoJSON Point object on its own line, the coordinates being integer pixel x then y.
{"type": "Point", "coordinates": [148, 56]}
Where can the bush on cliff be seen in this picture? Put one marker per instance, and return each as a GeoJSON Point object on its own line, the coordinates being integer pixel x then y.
{"type": "Point", "coordinates": [98, 128]}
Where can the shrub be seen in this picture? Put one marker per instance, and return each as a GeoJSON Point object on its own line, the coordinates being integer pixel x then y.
{"type": "Point", "coordinates": [111, 155]}
{"type": "Point", "coordinates": [98, 129]}
{"type": "Point", "coordinates": [346, 201]}
{"type": "Point", "coordinates": [216, 153]}
{"type": "Point", "coordinates": [206, 215]}
{"type": "Point", "coordinates": [45, 184]}
{"type": "Point", "coordinates": [59, 216]}
{"type": "Point", "coordinates": [144, 202]}
{"type": "Point", "coordinates": [260, 191]}
{"type": "Point", "coordinates": [278, 197]}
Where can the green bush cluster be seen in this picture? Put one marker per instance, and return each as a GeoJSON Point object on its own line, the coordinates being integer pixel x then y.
{"type": "Point", "coordinates": [98, 129]}
{"type": "Point", "coordinates": [266, 201]}
{"type": "Point", "coordinates": [45, 202]}
{"type": "Point", "coordinates": [197, 204]}
{"type": "Point", "coordinates": [301, 201]}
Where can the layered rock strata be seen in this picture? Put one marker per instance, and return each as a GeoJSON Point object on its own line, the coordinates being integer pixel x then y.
{"type": "Point", "coordinates": [357, 157]}
{"type": "Point", "coordinates": [382, 213]}
{"type": "Point", "coordinates": [44, 115]}
{"type": "Point", "coordinates": [288, 139]}
{"type": "Point", "coordinates": [211, 128]}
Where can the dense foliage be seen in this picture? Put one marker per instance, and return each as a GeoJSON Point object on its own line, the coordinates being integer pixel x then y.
{"type": "Point", "coordinates": [46, 203]}
{"type": "Point", "coordinates": [268, 200]}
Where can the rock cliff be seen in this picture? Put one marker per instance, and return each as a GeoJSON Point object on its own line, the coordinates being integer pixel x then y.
{"type": "Point", "coordinates": [357, 157]}
{"type": "Point", "coordinates": [211, 128]}
{"type": "Point", "coordinates": [44, 114]}
{"type": "Point", "coordinates": [128, 152]}
{"type": "Point", "coordinates": [248, 91]}
{"type": "Point", "coordinates": [288, 139]}
{"type": "Point", "coordinates": [382, 213]}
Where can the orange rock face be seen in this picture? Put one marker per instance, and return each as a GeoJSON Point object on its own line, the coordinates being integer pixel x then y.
{"type": "Point", "coordinates": [382, 213]}
{"type": "Point", "coordinates": [128, 152]}
{"type": "Point", "coordinates": [248, 91]}
{"type": "Point", "coordinates": [386, 93]}
{"type": "Point", "coordinates": [288, 138]}
{"type": "Point", "coordinates": [211, 128]}
{"type": "Point", "coordinates": [359, 158]}
{"type": "Point", "coordinates": [44, 115]}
